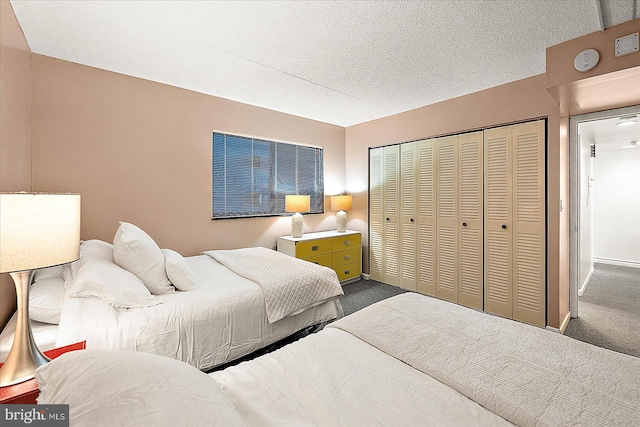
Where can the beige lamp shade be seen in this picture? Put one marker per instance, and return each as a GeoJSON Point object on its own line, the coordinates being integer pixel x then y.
{"type": "Point", "coordinates": [341, 203]}
{"type": "Point", "coordinates": [38, 230]}
{"type": "Point", "coordinates": [297, 203]}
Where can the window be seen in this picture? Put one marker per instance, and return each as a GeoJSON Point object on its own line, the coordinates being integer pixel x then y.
{"type": "Point", "coordinates": [251, 176]}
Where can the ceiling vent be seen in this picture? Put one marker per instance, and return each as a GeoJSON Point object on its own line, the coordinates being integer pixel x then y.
{"type": "Point", "coordinates": [627, 44]}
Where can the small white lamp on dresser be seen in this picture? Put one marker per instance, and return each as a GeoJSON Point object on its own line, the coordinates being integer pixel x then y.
{"type": "Point", "coordinates": [341, 203]}
{"type": "Point", "coordinates": [36, 231]}
{"type": "Point", "coordinates": [297, 203]}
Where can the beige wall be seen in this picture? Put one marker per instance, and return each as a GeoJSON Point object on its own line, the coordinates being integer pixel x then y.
{"type": "Point", "coordinates": [522, 100]}
{"type": "Point", "coordinates": [612, 83]}
{"type": "Point", "coordinates": [15, 125]}
{"type": "Point", "coordinates": [559, 58]}
{"type": "Point", "coordinates": [140, 152]}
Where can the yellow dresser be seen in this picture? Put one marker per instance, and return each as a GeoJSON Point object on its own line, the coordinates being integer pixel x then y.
{"type": "Point", "coordinates": [339, 251]}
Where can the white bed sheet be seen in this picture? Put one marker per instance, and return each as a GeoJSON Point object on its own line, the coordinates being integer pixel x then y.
{"type": "Point", "coordinates": [310, 383]}
{"type": "Point", "coordinates": [222, 320]}
{"type": "Point", "coordinates": [44, 335]}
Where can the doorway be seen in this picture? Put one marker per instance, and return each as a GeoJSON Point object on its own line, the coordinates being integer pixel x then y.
{"type": "Point", "coordinates": [604, 195]}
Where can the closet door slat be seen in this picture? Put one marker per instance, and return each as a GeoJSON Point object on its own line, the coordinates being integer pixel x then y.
{"type": "Point", "coordinates": [498, 273]}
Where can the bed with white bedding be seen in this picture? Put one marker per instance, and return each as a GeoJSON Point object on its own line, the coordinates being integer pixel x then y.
{"type": "Point", "coordinates": [223, 319]}
{"type": "Point", "coordinates": [407, 360]}
{"type": "Point", "coordinates": [205, 310]}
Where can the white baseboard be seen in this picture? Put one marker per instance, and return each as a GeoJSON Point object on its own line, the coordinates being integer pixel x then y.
{"type": "Point", "coordinates": [586, 282]}
{"type": "Point", "coordinates": [366, 276]}
{"type": "Point", "coordinates": [621, 263]}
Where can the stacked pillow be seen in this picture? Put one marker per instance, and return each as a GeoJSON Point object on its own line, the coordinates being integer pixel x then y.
{"type": "Point", "coordinates": [135, 251]}
{"type": "Point", "coordinates": [178, 271]}
{"type": "Point", "coordinates": [46, 295]}
{"type": "Point", "coordinates": [125, 274]}
{"type": "Point", "coordinates": [95, 275]}
{"type": "Point", "coordinates": [159, 269]}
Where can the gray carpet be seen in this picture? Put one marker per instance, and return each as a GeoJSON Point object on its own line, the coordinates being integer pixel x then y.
{"type": "Point", "coordinates": [358, 295]}
{"type": "Point", "coordinates": [609, 310]}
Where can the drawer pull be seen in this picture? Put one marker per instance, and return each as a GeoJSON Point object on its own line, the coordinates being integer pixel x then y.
{"type": "Point", "coordinates": [314, 248]}
{"type": "Point", "coordinates": [347, 242]}
{"type": "Point", "coordinates": [347, 271]}
{"type": "Point", "coordinates": [347, 257]}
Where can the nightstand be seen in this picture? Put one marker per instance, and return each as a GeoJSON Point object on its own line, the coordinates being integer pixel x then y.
{"type": "Point", "coordinates": [340, 251]}
{"type": "Point", "coordinates": [26, 392]}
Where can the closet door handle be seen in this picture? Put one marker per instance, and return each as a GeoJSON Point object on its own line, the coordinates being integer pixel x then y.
{"type": "Point", "coordinates": [504, 227]}
{"type": "Point", "coordinates": [387, 219]}
{"type": "Point", "coordinates": [411, 219]}
{"type": "Point", "coordinates": [464, 224]}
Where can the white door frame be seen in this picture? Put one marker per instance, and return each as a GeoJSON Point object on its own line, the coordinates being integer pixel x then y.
{"type": "Point", "coordinates": [574, 194]}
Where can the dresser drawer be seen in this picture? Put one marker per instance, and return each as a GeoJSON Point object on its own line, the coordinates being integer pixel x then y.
{"type": "Point", "coordinates": [324, 259]}
{"type": "Point", "coordinates": [345, 257]}
{"type": "Point", "coordinates": [310, 248]}
{"type": "Point", "coordinates": [348, 271]}
{"type": "Point", "coordinates": [340, 243]}
{"type": "Point", "coordinates": [341, 252]}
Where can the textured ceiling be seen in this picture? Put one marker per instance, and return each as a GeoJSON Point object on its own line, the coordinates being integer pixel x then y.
{"type": "Point", "coordinates": [340, 62]}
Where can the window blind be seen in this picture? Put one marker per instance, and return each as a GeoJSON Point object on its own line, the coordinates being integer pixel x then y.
{"type": "Point", "coordinates": [251, 177]}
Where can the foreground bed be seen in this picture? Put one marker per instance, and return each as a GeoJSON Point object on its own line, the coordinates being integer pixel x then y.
{"type": "Point", "coordinates": [408, 360]}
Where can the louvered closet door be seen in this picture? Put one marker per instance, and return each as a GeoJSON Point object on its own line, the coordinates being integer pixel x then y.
{"type": "Point", "coordinates": [376, 214]}
{"type": "Point", "coordinates": [470, 223]}
{"type": "Point", "coordinates": [497, 222]}
{"type": "Point", "coordinates": [408, 189]}
{"type": "Point", "coordinates": [426, 182]}
{"type": "Point", "coordinates": [447, 218]}
{"type": "Point", "coordinates": [391, 198]}
{"type": "Point", "coordinates": [529, 257]}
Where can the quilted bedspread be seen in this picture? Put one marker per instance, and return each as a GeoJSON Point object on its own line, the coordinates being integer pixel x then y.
{"type": "Point", "coordinates": [290, 285]}
{"type": "Point", "coordinates": [527, 375]}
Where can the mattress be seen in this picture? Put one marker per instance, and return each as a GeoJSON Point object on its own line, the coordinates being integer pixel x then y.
{"type": "Point", "coordinates": [222, 320]}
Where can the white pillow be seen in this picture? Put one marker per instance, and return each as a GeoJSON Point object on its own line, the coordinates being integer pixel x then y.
{"type": "Point", "coordinates": [178, 270]}
{"type": "Point", "coordinates": [45, 300]}
{"type": "Point", "coordinates": [98, 248]}
{"type": "Point", "coordinates": [55, 272]}
{"type": "Point", "coordinates": [97, 277]}
{"type": "Point", "coordinates": [126, 388]}
{"type": "Point", "coordinates": [135, 251]}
